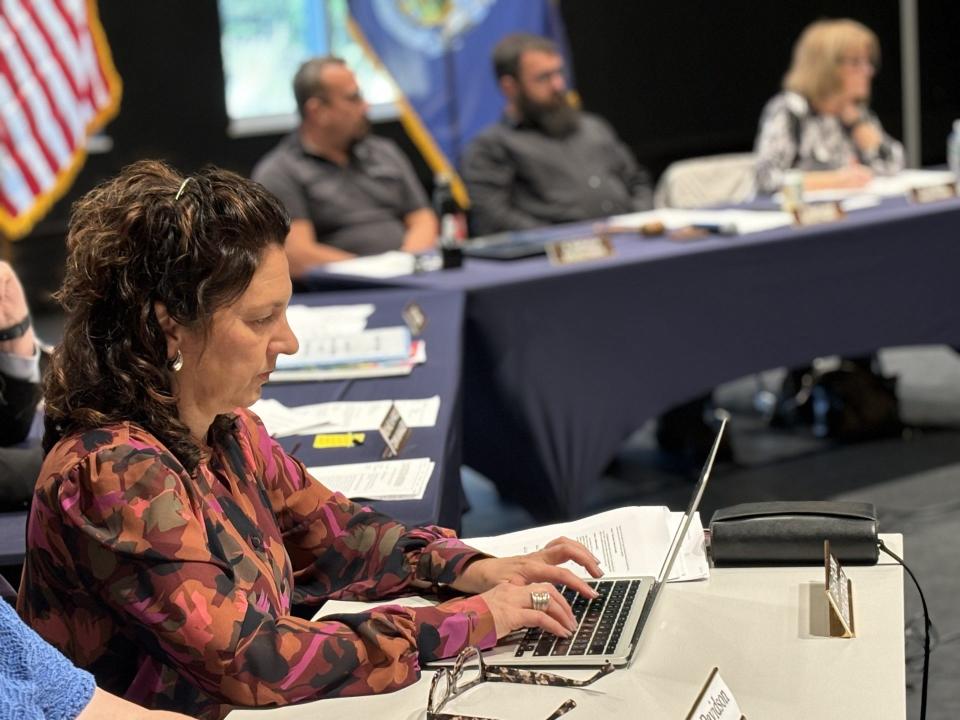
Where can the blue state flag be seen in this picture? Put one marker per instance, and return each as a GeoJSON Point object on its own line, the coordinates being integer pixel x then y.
{"type": "Point", "coordinates": [438, 54]}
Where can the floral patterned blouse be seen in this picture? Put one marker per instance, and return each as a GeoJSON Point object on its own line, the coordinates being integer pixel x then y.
{"type": "Point", "coordinates": [175, 590]}
{"type": "Point", "coordinates": [793, 135]}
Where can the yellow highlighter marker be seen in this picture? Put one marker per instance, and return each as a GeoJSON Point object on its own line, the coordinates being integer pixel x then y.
{"type": "Point", "coordinates": [338, 440]}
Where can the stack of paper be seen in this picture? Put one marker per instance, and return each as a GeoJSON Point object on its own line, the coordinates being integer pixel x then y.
{"type": "Point", "coordinates": [308, 321]}
{"type": "Point", "coordinates": [335, 344]}
{"type": "Point", "coordinates": [385, 265]}
{"type": "Point", "coordinates": [740, 222]}
{"type": "Point", "coordinates": [372, 369]}
{"type": "Point", "coordinates": [343, 416]}
{"type": "Point", "coordinates": [385, 480]}
{"type": "Point", "coordinates": [628, 541]}
{"type": "Point", "coordinates": [323, 350]}
{"type": "Point", "coordinates": [881, 186]}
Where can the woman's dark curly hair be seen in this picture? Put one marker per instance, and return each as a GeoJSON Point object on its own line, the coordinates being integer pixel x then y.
{"type": "Point", "coordinates": [149, 235]}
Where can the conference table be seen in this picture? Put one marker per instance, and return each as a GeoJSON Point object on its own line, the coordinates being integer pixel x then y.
{"type": "Point", "coordinates": [562, 363]}
{"type": "Point", "coordinates": [765, 628]}
{"type": "Point", "coordinates": [443, 500]}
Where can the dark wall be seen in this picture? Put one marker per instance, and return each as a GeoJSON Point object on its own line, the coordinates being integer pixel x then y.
{"type": "Point", "coordinates": [681, 79]}
{"type": "Point", "coordinates": [676, 79]}
{"type": "Point", "coordinates": [939, 75]}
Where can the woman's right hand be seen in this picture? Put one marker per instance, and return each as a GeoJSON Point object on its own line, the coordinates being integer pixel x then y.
{"type": "Point", "coordinates": [853, 176]}
{"type": "Point", "coordinates": [512, 609]}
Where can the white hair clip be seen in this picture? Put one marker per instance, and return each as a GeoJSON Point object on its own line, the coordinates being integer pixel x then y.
{"type": "Point", "coordinates": [182, 186]}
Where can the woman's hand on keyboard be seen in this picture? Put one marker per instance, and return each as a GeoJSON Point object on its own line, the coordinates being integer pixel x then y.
{"type": "Point", "coordinates": [512, 609]}
{"type": "Point", "coordinates": [535, 567]}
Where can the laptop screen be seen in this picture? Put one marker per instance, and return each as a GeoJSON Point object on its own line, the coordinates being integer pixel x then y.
{"type": "Point", "coordinates": [681, 533]}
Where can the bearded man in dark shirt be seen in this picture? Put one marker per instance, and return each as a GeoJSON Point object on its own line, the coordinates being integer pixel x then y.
{"type": "Point", "coordinates": [545, 161]}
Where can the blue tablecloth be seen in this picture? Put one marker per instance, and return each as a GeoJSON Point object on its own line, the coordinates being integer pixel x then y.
{"type": "Point", "coordinates": [443, 501]}
{"type": "Point", "coordinates": [563, 363]}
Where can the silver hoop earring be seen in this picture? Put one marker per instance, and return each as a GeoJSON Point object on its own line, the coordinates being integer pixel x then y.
{"type": "Point", "coordinates": [176, 364]}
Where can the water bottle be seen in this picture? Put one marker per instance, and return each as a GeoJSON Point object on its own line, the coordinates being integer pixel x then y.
{"type": "Point", "coordinates": [453, 224]}
{"type": "Point", "coordinates": [453, 221]}
{"type": "Point", "coordinates": [953, 149]}
{"type": "Point", "coordinates": [792, 192]}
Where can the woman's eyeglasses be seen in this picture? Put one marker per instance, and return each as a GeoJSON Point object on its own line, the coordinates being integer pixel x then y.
{"type": "Point", "coordinates": [858, 61]}
{"type": "Point", "coordinates": [469, 670]}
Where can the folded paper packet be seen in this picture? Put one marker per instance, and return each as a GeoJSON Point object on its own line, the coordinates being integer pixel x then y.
{"type": "Point", "coordinates": [792, 533]}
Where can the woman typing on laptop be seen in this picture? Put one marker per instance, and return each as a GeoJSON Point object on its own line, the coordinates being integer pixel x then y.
{"type": "Point", "coordinates": [170, 535]}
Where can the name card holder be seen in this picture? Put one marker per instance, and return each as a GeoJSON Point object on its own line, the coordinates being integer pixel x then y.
{"type": "Point", "coordinates": [394, 432]}
{"type": "Point", "coordinates": [818, 213]}
{"type": "Point", "coordinates": [839, 591]}
{"type": "Point", "coordinates": [565, 252]}
{"type": "Point", "coordinates": [415, 318]}
{"type": "Point", "coordinates": [933, 193]}
{"type": "Point", "coordinates": [715, 701]}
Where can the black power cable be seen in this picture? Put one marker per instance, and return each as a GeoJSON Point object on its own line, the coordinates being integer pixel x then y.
{"type": "Point", "coordinates": [926, 630]}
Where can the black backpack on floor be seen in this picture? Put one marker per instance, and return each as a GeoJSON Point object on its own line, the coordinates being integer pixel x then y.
{"type": "Point", "coordinates": [849, 404]}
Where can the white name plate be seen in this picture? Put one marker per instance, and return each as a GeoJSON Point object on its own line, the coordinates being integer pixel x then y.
{"type": "Point", "coordinates": [394, 432]}
{"type": "Point", "coordinates": [818, 213]}
{"type": "Point", "coordinates": [839, 596]}
{"type": "Point", "coordinates": [716, 701]}
{"type": "Point", "coordinates": [934, 193]}
{"type": "Point", "coordinates": [565, 252]}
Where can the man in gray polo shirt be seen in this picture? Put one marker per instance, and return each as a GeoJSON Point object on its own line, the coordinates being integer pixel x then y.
{"type": "Point", "coordinates": [348, 192]}
{"type": "Point", "coordinates": [546, 162]}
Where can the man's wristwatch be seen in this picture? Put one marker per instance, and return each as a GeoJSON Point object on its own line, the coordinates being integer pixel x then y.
{"type": "Point", "coordinates": [15, 331]}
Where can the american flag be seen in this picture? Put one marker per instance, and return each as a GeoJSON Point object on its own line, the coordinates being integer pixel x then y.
{"type": "Point", "coordinates": [57, 85]}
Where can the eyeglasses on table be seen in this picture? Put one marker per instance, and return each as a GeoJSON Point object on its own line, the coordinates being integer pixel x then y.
{"type": "Point", "coordinates": [469, 670]}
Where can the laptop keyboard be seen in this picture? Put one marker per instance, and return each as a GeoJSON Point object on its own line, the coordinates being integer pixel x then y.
{"type": "Point", "coordinates": [600, 622]}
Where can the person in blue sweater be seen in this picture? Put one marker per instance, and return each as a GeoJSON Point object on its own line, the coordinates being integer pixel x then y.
{"type": "Point", "coordinates": [38, 683]}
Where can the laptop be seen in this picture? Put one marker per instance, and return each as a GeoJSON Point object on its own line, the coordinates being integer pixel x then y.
{"type": "Point", "coordinates": [524, 243]}
{"type": "Point", "coordinates": [610, 626]}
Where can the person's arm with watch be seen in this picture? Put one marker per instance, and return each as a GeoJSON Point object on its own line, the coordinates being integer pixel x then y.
{"type": "Point", "coordinates": [19, 360]}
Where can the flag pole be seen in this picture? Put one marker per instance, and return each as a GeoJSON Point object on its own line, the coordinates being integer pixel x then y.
{"type": "Point", "coordinates": [450, 77]}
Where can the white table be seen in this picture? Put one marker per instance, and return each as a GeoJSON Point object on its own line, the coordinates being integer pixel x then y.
{"type": "Point", "coordinates": [765, 628]}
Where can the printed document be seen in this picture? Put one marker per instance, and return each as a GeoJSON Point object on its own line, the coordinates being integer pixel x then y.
{"type": "Point", "coordinates": [627, 541]}
{"type": "Point", "coordinates": [384, 265]}
{"type": "Point", "coordinates": [383, 480]}
{"type": "Point", "coordinates": [743, 222]}
{"type": "Point", "coordinates": [881, 186]}
{"type": "Point", "coordinates": [381, 344]}
{"type": "Point", "coordinates": [341, 607]}
{"type": "Point", "coordinates": [359, 371]}
{"type": "Point", "coordinates": [342, 416]}
{"type": "Point", "coordinates": [309, 321]}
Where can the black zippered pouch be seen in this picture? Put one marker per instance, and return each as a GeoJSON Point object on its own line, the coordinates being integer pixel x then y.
{"type": "Point", "coordinates": [792, 533]}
